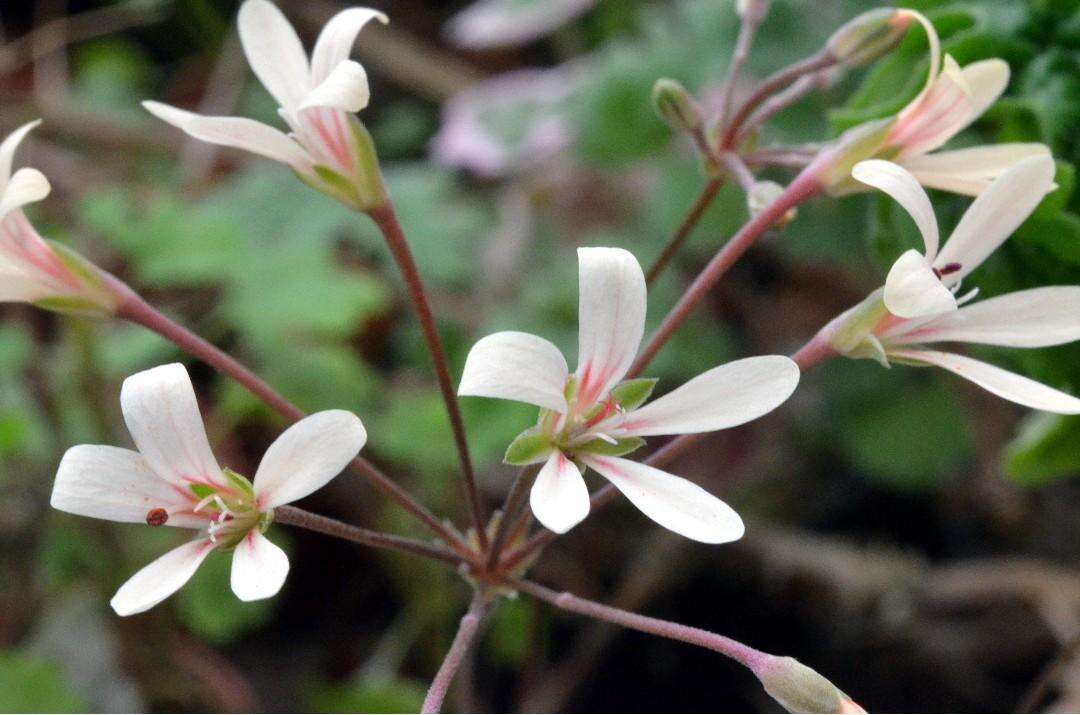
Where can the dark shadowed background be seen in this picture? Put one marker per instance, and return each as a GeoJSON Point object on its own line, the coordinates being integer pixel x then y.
{"type": "Point", "coordinates": [909, 536]}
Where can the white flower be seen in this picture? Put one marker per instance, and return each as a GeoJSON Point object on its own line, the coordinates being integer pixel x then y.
{"type": "Point", "coordinates": [917, 306]}
{"type": "Point", "coordinates": [924, 283]}
{"type": "Point", "coordinates": [592, 417]}
{"type": "Point", "coordinates": [952, 98]}
{"type": "Point", "coordinates": [33, 270]}
{"type": "Point", "coordinates": [173, 479]}
{"type": "Point", "coordinates": [327, 146]}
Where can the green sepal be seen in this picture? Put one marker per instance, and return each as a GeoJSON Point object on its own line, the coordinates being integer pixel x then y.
{"type": "Point", "coordinates": [95, 299]}
{"type": "Point", "coordinates": [72, 305]}
{"type": "Point", "coordinates": [338, 186]}
{"type": "Point", "coordinates": [239, 482]}
{"type": "Point", "coordinates": [603, 448]}
{"type": "Point", "coordinates": [631, 394]}
{"type": "Point", "coordinates": [202, 490]}
{"type": "Point", "coordinates": [266, 518]}
{"type": "Point", "coordinates": [850, 329]}
{"type": "Point", "coordinates": [529, 447]}
{"type": "Point", "coordinates": [370, 188]}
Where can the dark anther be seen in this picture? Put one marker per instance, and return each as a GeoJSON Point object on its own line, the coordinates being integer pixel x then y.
{"type": "Point", "coordinates": [949, 268]}
{"type": "Point", "coordinates": [157, 517]}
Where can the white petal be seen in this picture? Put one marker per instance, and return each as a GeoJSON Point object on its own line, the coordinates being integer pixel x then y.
{"type": "Point", "coordinates": [559, 497]}
{"type": "Point", "coordinates": [996, 213]}
{"type": "Point", "coordinates": [611, 318]}
{"type": "Point", "coordinates": [307, 456]}
{"type": "Point", "coordinates": [898, 183]}
{"type": "Point", "coordinates": [986, 81]}
{"type": "Point", "coordinates": [18, 286]}
{"type": "Point", "coordinates": [719, 398]}
{"type": "Point", "coordinates": [912, 289]}
{"type": "Point", "coordinates": [163, 417]}
{"type": "Point", "coordinates": [160, 578]}
{"type": "Point", "coordinates": [117, 484]}
{"type": "Point", "coordinates": [26, 186]}
{"type": "Point", "coordinates": [1033, 318]}
{"type": "Point", "coordinates": [259, 568]}
{"type": "Point", "coordinates": [274, 51]}
{"type": "Point", "coordinates": [237, 132]}
{"type": "Point", "coordinates": [346, 88]}
{"type": "Point", "coordinates": [336, 40]}
{"type": "Point", "coordinates": [672, 502]}
{"type": "Point", "coordinates": [1005, 384]}
{"type": "Point", "coordinates": [942, 113]}
{"type": "Point", "coordinates": [8, 148]}
{"type": "Point", "coordinates": [516, 366]}
{"type": "Point", "coordinates": [934, 46]}
{"type": "Point", "coordinates": [970, 171]}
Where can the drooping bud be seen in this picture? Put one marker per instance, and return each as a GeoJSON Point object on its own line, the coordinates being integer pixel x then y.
{"type": "Point", "coordinates": [868, 37]}
{"type": "Point", "coordinates": [676, 107]}
{"type": "Point", "coordinates": [800, 689]}
{"type": "Point", "coordinates": [763, 193]}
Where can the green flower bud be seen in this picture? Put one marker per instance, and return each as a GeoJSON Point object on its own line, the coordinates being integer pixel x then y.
{"type": "Point", "coordinates": [800, 689]}
{"type": "Point", "coordinates": [676, 107]}
{"type": "Point", "coordinates": [868, 36]}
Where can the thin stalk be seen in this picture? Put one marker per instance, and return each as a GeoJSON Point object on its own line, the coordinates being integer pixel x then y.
{"type": "Point", "coordinates": [135, 309]}
{"type": "Point", "coordinates": [738, 169]}
{"type": "Point", "coordinates": [470, 624]}
{"type": "Point", "coordinates": [739, 652]}
{"type": "Point", "coordinates": [293, 516]}
{"type": "Point", "coordinates": [773, 83]}
{"type": "Point", "coordinates": [515, 500]}
{"type": "Point", "coordinates": [778, 102]}
{"type": "Point", "coordinates": [805, 186]}
{"type": "Point", "coordinates": [386, 219]}
{"type": "Point", "coordinates": [751, 21]}
{"type": "Point", "coordinates": [693, 217]}
{"type": "Point", "coordinates": [813, 353]}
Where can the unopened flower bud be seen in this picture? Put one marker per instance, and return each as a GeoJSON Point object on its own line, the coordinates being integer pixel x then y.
{"type": "Point", "coordinates": [869, 36]}
{"type": "Point", "coordinates": [800, 689]}
{"type": "Point", "coordinates": [763, 193]}
{"type": "Point", "coordinates": [676, 107]}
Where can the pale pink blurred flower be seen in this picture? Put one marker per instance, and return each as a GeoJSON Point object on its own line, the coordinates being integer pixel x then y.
{"type": "Point", "coordinates": [492, 24]}
{"type": "Point", "coordinates": [173, 479]}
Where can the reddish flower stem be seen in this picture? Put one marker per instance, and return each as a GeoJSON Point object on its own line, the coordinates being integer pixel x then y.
{"type": "Point", "coordinates": [813, 353]}
{"type": "Point", "coordinates": [466, 634]}
{"type": "Point", "coordinates": [692, 218]}
{"type": "Point", "coordinates": [739, 652]}
{"type": "Point", "coordinates": [136, 310]}
{"type": "Point", "coordinates": [386, 219]}
{"type": "Point", "coordinates": [805, 186]}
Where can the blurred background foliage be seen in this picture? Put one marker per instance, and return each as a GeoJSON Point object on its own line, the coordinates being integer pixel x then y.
{"type": "Point", "coordinates": [899, 521]}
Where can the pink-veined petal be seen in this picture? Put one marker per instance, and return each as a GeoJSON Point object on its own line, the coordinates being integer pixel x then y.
{"type": "Point", "coordinates": [934, 53]}
{"type": "Point", "coordinates": [345, 88]}
{"type": "Point", "coordinates": [8, 148]}
{"type": "Point", "coordinates": [912, 289]}
{"type": "Point", "coordinates": [1007, 385]}
{"type": "Point", "coordinates": [274, 52]}
{"type": "Point", "coordinates": [722, 397]}
{"type": "Point", "coordinates": [307, 456]}
{"type": "Point", "coordinates": [996, 213]}
{"type": "Point", "coordinates": [25, 186]}
{"type": "Point", "coordinates": [611, 318]}
{"type": "Point", "coordinates": [940, 115]}
{"type": "Point", "coordinates": [516, 366]}
{"type": "Point", "coordinates": [897, 182]}
{"type": "Point", "coordinates": [117, 484]}
{"type": "Point", "coordinates": [237, 132]}
{"type": "Point", "coordinates": [970, 171]}
{"type": "Point", "coordinates": [1033, 318]}
{"type": "Point", "coordinates": [672, 502]}
{"type": "Point", "coordinates": [259, 568]}
{"type": "Point", "coordinates": [163, 417]}
{"type": "Point", "coordinates": [19, 286]}
{"type": "Point", "coordinates": [559, 497]}
{"type": "Point", "coordinates": [160, 578]}
{"type": "Point", "coordinates": [336, 40]}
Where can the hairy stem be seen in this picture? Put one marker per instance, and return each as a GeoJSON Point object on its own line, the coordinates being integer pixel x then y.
{"type": "Point", "coordinates": [136, 310]}
{"type": "Point", "coordinates": [293, 516]}
{"type": "Point", "coordinates": [386, 219]}
{"type": "Point", "coordinates": [470, 624]}
{"type": "Point", "coordinates": [692, 218]}
{"type": "Point", "coordinates": [805, 186]}
{"type": "Point", "coordinates": [743, 654]}
{"type": "Point", "coordinates": [773, 83]}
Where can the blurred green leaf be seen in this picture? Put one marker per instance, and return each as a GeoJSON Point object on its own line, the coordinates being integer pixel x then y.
{"type": "Point", "coordinates": [375, 696]}
{"type": "Point", "coordinates": [29, 685]}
